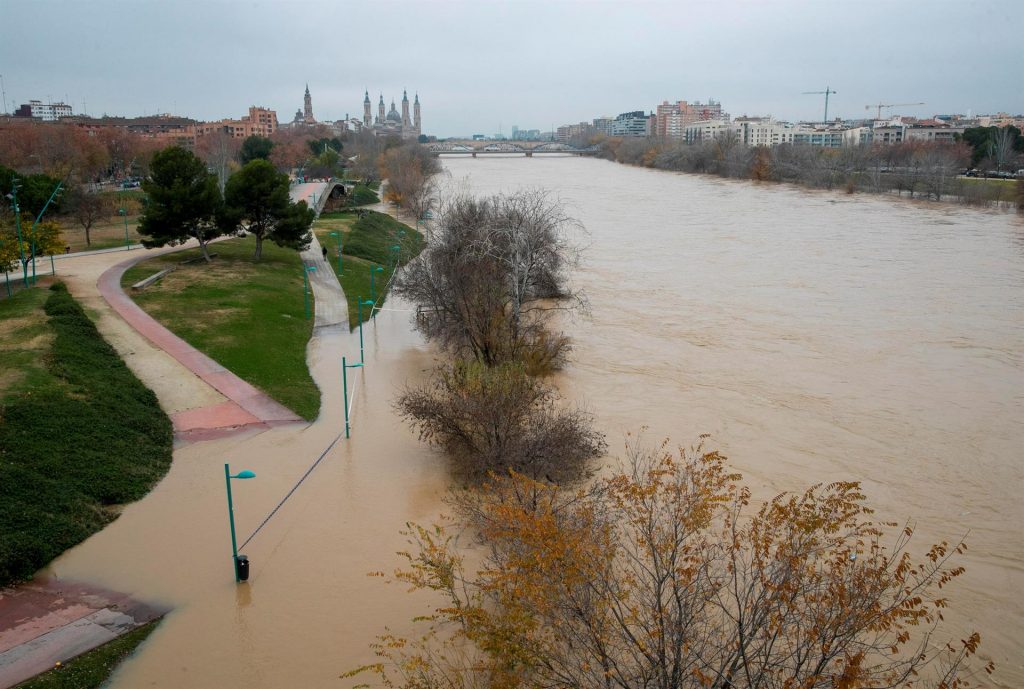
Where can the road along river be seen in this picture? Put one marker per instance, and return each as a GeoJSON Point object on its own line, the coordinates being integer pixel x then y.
{"type": "Point", "coordinates": [816, 336]}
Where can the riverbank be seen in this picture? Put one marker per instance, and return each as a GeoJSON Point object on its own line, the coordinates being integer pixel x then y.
{"type": "Point", "coordinates": [930, 173]}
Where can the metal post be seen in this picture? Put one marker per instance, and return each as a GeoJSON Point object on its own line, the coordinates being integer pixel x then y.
{"type": "Point", "coordinates": [337, 238]}
{"type": "Point", "coordinates": [8, 278]}
{"type": "Point", "coordinates": [231, 521]}
{"type": "Point", "coordinates": [359, 310]}
{"type": "Point", "coordinates": [17, 226]}
{"type": "Point", "coordinates": [344, 387]}
{"type": "Point", "coordinates": [53, 266]}
{"type": "Point", "coordinates": [39, 217]}
{"type": "Point", "coordinates": [345, 366]}
{"type": "Point", "coordinates": [305, 290]}
{"type": "Point", "coordinates": [127, 243]}
{"type": "Point", "coordinates": [373, 294]}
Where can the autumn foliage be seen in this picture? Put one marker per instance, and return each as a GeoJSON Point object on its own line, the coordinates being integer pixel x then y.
{"type": "Point", "coordinates": [665, 575]}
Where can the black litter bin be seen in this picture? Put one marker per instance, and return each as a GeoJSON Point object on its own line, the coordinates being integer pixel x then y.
{"type": "Point", "coordinates": [242, 568]}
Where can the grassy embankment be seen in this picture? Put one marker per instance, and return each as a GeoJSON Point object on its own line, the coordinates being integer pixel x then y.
{"type": "Point", "coordinates": [79, 434]}
{"type": "Point", "coordinates": [91, 669]}
{"type": "Point", "coordinates": [366, 244]}
{"type": "Point", "coordinates": [247, 315]}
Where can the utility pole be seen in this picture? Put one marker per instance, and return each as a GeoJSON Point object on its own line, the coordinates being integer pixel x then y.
{"type": "Point", "coordinates": [827, 91]}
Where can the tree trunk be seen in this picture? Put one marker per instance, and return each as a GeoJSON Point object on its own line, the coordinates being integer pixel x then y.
{"type": "Point", "coordinates": [259, 247]}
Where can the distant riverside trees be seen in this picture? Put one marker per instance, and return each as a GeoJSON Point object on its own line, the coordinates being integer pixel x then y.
{"type": "Point", "coordinates": [410, 170]}
{"type": "Point", "coordinates": [917, 168]}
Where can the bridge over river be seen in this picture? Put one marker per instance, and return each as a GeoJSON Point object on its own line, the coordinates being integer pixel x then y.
{"type": "Point", "coordinates": [529, 149]}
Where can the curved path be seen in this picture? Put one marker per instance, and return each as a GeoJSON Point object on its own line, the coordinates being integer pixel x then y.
{"type": "Point", "coordinates": [243, 405]}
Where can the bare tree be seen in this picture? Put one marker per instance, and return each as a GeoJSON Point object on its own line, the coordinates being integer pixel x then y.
{"type": "Point", "coordinates": [1002, 147]}
{"type": "Point", "coordinates": [220, 153]}
{"type": "Point", "coordinates": [484, 285]}
{"type": "Point", "coordinates": [662, 577]}
{"type": "Point", "coordinates": [500, 419]}
{"type": "Point", "coordinates": [87, 208]}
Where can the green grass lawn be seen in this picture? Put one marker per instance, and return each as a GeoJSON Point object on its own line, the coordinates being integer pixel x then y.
{"type": "Point", "coordinates": [247, 315]}
{"type": "Point", "coordinates": [367, 244]}
{"type": "Point", "coordinates": [91, 669]}
{"type": "Point", "coordinates": [79, 434]}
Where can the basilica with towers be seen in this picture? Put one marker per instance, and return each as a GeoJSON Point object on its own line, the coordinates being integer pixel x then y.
{"type": "Point", "coordinates": [392, 123]}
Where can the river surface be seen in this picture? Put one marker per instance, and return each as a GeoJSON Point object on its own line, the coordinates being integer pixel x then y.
{"type": "Point", "coordinates": [816, 337]}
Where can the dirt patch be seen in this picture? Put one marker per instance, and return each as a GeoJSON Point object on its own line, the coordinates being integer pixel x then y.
{"type": "Point", "coordinates": [39, 342]}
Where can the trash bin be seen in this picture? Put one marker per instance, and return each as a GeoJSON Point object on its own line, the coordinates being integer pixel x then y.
{"type": "Point", "coordinates": [242, 568]}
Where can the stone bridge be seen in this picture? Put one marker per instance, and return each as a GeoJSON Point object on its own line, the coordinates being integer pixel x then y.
{"type": "Point", "coordinates": [527, 148]}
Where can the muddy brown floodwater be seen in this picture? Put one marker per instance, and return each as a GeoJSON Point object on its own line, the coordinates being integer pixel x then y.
{"type": "Point", "coordinates": [816, 337]}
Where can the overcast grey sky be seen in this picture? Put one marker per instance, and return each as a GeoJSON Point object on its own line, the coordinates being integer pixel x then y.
{"type": "Point", "coordinates": [483, 65]}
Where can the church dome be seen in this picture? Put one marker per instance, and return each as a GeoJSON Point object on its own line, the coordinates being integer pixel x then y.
{"type": "Point", "coordinates": [393, 116]}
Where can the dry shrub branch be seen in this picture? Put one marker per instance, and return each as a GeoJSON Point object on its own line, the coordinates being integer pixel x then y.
{"type": "Point", "coordinates": [664, 576]}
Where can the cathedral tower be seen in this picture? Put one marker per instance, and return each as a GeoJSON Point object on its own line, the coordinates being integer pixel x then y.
{"type": "Point", "coordinates": [367, 119]}
{"type": "Point", "coordinates": [405, 109]}
{"type": "Point", "coordinates": [416, 115]}
{"type": "Point", "coordinates": [307, 107]}
{"type": "Point", "coordinates": [380, 110]}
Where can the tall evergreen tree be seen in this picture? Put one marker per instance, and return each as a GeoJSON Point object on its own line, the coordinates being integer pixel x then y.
{"type": "Point", "coordinates": [183, 201]}
{"type": "Point", "coordinates": [256, 199]}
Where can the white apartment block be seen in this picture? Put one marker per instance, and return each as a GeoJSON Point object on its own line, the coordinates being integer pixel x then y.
{"type": "Point", "coordinates": [49, 112]}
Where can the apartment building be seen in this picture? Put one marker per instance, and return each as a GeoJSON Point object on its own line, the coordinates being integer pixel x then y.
{"type": "Point", "coordinates": [48, 112]}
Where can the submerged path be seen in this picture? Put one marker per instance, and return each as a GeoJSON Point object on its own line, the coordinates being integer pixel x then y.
{"type": "Point", "coordinates": [49, 620]}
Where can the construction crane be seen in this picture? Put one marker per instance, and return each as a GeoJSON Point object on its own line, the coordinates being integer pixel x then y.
{"type": "Point", "coordinates": [827, 91]}
{"type": "Point", "coordinates": [887, 105]}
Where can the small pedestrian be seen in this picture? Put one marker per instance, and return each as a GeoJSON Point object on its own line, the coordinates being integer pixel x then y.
{"type": "Point", "coordinates": [324, 249]}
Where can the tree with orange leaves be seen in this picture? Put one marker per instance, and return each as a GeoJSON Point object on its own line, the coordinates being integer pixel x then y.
{"type": "Point", "coordinates": [664, 576]}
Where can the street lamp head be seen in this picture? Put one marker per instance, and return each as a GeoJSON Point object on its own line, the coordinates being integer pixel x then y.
{"type": "Point", "coordinates": [396, 247]}
{"type": "Point", "coordinates": [367, 303]}
{"type": "Point", "coordinates": [310, 269]}
{"type": "Point", "coordinates": [377, 269]}
{"type": "Point", "coordinates": [333, 234]}
{"type": "Point", "coordinates": [244, 474]}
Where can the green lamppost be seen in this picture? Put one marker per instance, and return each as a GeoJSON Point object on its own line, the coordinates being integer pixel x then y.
{"type": "Point", "coordinates": [345, 366]}
{"type": "Point", "coordinates": [337, 238]}
{"type": "Point", "coordinates": [359, 308]}
{"type": "Point", "coordinates": [305, 287]}
{"type": "Point", "coordinates": [56, 190]}
{"type": "Point", "coordinates": [397, 248]}
{"type": "Point", "coordinates": [123, 212]}
{"type": "Point", "coordinates": [13, 196]}
{"type": "Point", "coordinates": [373, 292]}
{"type": "Point", "coordinates": [241, 562]}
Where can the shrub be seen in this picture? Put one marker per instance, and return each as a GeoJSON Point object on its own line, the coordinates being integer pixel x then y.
{"type": "Point", "coordinates": [497, 419]}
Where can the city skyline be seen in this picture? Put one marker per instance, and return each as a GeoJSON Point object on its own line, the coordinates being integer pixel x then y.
{"type": "Point", "coordinates": [484, 69]}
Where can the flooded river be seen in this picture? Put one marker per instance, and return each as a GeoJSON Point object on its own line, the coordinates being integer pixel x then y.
{"type": "Point", "coordinates": [816, 337]}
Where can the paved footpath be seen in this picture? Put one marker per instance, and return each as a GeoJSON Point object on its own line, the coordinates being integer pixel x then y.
{"type": "Point", "coordinates": [43, 623]}
{"type": "Point", "coordinates": [46, 621]}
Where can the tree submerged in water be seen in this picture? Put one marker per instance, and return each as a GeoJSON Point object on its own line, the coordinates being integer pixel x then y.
{"type": "Point", "coordinates": [662, 576]}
